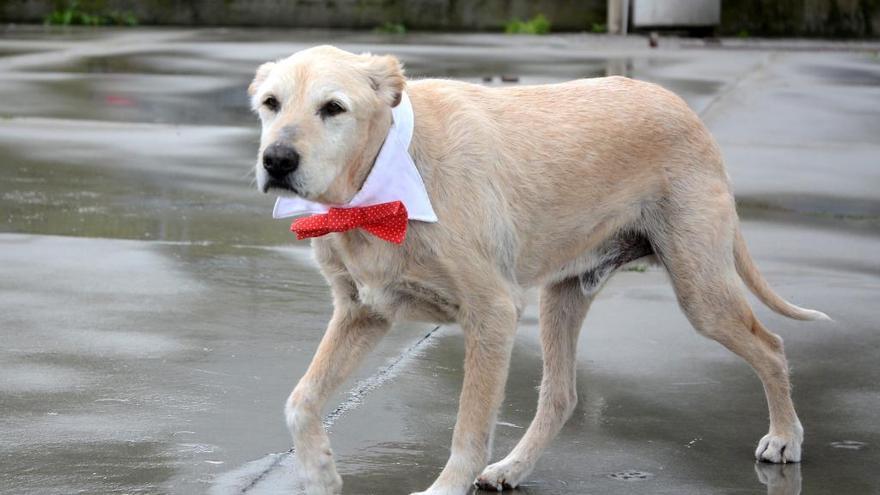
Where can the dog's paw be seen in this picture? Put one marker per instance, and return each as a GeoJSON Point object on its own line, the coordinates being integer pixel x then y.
{"type": "Point", "coordinates": [503, 475]}
{"type": "Point", "coordinates": [779, 449]}
{"type": "Point", "coordinates": [318, 475]}
{"type": "Point", "coordinates": [327, 483]}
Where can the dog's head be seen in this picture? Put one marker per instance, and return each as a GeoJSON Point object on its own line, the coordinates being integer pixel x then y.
{"type": "Point", "coordinates": [325, 113]}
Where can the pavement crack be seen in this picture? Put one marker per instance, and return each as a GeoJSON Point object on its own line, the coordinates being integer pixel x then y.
{"type": "Point", "coordinates": [262, 474]}
{"type": "Point", "coordinates": [354, 399]}
{"type": "Point", "coordinates": [735, 86]}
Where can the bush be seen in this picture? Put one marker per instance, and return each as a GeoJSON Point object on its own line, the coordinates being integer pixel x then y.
{"type": "Point", "coordinates": [391, 28]}
{"type": "Point", "coordinates": [72, 15]}
{"type": "Point", "coordinates": [536, 25]}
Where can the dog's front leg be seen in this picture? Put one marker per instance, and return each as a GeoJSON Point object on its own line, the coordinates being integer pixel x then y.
{"type": "Point", "coordinates": [489, 327]}
{"type": "Point", "coordinates": [352, 331]}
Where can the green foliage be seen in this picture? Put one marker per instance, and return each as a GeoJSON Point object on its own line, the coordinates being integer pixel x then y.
{"type": "Point", "coordinates": [389, 27]}
{"type": "Point", "coordinates": [599, 27]}
{"type": "Point", "coordinates": [122, 18]}
{"type": "Point", "coordinates": [743, 33]}
{"type": "Point", "coordinates": [536, 25]}
{"type": "Point", "coordinates": [72, 15]}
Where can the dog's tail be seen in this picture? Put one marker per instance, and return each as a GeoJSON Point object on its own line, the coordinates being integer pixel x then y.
{"type": "Point", "coordinates": [746, 268]}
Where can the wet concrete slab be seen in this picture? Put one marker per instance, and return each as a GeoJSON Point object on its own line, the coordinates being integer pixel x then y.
{"type": "Point", "coordinates": [146, 367]}
{"type": "Point", "coordinates": [154, 317]}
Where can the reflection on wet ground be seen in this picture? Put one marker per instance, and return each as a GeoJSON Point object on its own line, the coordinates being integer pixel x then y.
{"type": "Point", "coordinates": [156, 317]}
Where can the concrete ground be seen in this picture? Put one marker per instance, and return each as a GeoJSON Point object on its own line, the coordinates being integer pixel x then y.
{"type": "Point", "coordinates": [154, 317]}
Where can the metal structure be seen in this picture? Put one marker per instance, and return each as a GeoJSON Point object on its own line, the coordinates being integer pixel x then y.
{"type": "Point", "coordinates": [662, 13]}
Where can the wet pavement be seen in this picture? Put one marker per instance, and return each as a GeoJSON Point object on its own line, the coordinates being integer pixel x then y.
{"type": "Point", "coordinates": [154, 317]}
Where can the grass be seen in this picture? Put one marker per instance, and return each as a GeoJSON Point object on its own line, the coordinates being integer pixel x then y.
{"type": "Point", "coordinates": [389, 27]}
{"type": "Point", "coordinates": [72, 15]}
{"type": "Point", "coordinates": [536, 25]}
{"type": "Point", "coordinates": [598, 27]}
{"type": "Point", "coordinates": [639, 268]}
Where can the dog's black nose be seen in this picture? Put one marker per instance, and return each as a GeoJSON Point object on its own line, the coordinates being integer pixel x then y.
{"type": "Point", "coordinates": [279, 160]}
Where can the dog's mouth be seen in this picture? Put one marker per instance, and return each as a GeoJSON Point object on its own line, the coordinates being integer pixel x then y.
{"type": "Point", "coordinates": [284, 187]}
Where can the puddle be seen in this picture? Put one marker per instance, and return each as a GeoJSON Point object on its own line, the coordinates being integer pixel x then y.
{"type": "Point", "coordinates": [91, 201]}
{"type": "Point", "coordinates": [151, 63]}
{"type": "Point", "coordinates": [475, 66]}
{"type": "Point", "coordinates": [856, 212]}
{"type": "Point", "coordinates": [151, 87]}
{"type": "Point", "coordinates": [781, 479]}
{"type": "Point", "coordinates": [849, 76]}
{"type": "Point", "coordinates": [128, 98]}
{"type": "Point", "coordinates": [12, 52]}
{"type": "Point", "coordinates": [32, 32]}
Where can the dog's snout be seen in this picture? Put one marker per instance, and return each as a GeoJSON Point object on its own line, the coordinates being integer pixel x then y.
{"type": "Point", "coordinates": [279, 160]}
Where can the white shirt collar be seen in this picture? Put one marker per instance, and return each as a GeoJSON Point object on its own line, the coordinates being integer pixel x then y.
{"type": "Point", "coordinates": [394, 176]}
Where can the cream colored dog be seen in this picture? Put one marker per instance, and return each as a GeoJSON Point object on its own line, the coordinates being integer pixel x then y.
{"type": "Point", "coordinates": [553, 186]}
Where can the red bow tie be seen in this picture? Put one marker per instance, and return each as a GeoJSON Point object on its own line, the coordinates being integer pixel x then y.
{"type": "Point", "coordinates": [386, 221]}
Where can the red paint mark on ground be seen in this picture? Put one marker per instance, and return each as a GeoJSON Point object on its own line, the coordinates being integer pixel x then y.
{"type": "Point", "coordinates": [119, 101]}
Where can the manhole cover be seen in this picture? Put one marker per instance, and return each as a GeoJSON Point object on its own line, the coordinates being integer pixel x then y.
{"type": "Point", "coordinates": [848, 444]}
{"type": "Point", "coordinates": [631, 475]}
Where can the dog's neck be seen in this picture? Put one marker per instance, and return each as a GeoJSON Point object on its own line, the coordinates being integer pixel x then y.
{"type": "Point", "coordinates": [352, 180]}
{"type": "Point", "coordinates": [370, 152]}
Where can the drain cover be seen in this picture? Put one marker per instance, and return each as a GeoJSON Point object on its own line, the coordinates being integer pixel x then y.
{"type": "Point", "coordinates": [631, 475]}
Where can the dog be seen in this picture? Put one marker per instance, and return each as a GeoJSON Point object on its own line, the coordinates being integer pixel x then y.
{"type": "Point", "coordinates": [552, 186]}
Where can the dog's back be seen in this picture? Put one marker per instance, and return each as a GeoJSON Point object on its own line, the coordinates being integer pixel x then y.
{"type": "Point", "coordinates": [581, 159]}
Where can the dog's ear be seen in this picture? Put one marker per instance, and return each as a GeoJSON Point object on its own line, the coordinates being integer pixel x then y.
{"type": "Point", "coordinates": [261, 75]}
{"type": "Point", "coordinates": [386, 76]}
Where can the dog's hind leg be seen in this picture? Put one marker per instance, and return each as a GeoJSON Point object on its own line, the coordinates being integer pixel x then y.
{"type": "Point", "coordinates": [695, 244]}
{"type": "Point", "coordinates": [563, 308]}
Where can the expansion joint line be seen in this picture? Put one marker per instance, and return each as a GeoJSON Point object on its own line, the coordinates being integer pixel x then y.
{"type": "Point", "coordinates": [355, 397]}
{"type": "Point", "coordinates": [733, 87]}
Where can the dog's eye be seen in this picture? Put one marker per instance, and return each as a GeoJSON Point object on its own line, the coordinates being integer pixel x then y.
{"type": "Point", "coordinates": [271, 103]}
{"type": "Point", "coordinates": [331, 108]}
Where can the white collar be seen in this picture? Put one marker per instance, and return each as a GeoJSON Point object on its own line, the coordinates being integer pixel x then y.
{"type": "Point", "coordinates": [394, 176]}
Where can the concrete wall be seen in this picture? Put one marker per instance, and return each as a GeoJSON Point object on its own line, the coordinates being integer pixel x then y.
{"type": "Point", "coordinates": [566, 15]}
{"type": "Point", "coordinates": [676, 12]}
{"type": "Point", "coordinates": [830, 18]}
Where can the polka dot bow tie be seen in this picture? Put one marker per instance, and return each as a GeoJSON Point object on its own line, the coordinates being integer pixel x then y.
{"type": "Point", "coordinates": [386, 221]}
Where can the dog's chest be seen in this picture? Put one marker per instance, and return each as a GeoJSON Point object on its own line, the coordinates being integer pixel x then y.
{"type": "Point", "coordinates": [407, 297]}
{"type": "Point", "coordinates": [375, 295]}
{"type": "Point", "coordinates": [385, 283]}
{"type": "Point", "coordinates": [375, 272]}
{"type": "Point", "coordinates": [410, 300]}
